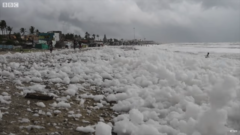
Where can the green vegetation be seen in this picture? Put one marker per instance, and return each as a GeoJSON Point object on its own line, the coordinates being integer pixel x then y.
{"type": "Point", "coordinates": [105, 38]}
{"type": "Point", "coordinates": [10, 42]}
{"type": "Point", "coordinates": [10, 30]}
{"type": "Point", "coordinates": [22, 31]}
{"type": "Point", "coordinates": [17, 39]}
{"type": "Point", "coordinates": [22, 50]}
{"type": "Point", "coordinates": [31, 30]}
{"type": "Point", "coordinates": [87, 35]}
{"type": "Point", "coordinates": [3, 26]}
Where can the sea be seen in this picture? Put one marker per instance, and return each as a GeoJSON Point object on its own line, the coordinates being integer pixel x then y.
{"type": "Point", "coordinates": [224, 49]}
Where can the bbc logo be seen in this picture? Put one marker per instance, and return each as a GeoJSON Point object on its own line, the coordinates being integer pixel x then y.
{"type": "Point", "coordinates": [233, 131]}
{"type": "Point", "coordinates": [10, 5]}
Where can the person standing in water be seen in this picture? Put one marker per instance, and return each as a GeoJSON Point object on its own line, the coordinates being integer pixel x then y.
{"type": "Point", "coordinates": [207, 55]}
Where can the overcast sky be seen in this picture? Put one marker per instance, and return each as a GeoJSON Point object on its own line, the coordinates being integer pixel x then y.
{"type": "Point", "coordinates": [159, 20]}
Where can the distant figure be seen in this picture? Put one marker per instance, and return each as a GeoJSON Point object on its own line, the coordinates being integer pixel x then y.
{"type": "Point", "coordinates": [74, 44]}
{"type": "Point", "coordinates": [50, 46]}
{"type": "Point", "coordinates": [207, 55]}
{"type": "Point", "coordinates": [80, 45]}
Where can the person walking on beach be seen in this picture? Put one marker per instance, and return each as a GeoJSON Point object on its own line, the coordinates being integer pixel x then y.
{"type": "Point", "coordinates": [50, 46]}
{"type": "Point", "coordinates": [80, 45]}
{"type": "Point", "coordinates": [74, 44]}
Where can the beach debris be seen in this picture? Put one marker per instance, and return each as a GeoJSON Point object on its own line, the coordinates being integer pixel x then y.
{"type": "Point", "coordinates": [38, 96]}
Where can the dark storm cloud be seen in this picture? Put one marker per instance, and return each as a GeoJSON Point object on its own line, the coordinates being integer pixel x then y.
{"type": "Point", "coordinates": [159, 20]}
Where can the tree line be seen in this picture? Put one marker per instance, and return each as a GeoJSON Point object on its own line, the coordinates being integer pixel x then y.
{"type": "Point", "coordinates": [6, 32]}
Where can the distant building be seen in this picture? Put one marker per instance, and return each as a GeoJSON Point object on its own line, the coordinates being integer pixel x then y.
{"type": "Point", "coordinates": [98, 43]}
{"type": "Point", "coordinates": [26, 37]}
{"type": "Point", "coordinates": [89, 42]}
{"type": "Point", "coordinates": [36, 39]}
{"type": "Point", "coordinates": [56, 37]}
{"type": "Point", "coordinates": [84, 41]}
{"type": "Point", "coordinates": [43, 38]}
{"type": "Point", "coordinates": [59, 32]}
{"type": "Point", "coordinates": [53, 36]}
{"type": "Point", "coordinates": [135, 42]}
{"type": "Point", "coordinates": [68, 43]}
{"type": "Point", "coordinates": [13, 36]}
{"type": "Point", "coordinates": [147, 42]}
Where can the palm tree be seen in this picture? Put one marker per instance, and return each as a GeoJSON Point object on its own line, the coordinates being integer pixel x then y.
{"type": "Point", "coordinates": [31, 30]}
{"type": "Point", "coordinates": [22, 30]}
{"type": "Point", "coordinates": [93, 36]}
{"type": "Point", "coordinates": [3, 25]}
{"type": "Point", "coordinates": [86, 35]}
{"type": "Point", "coordinates": [18, 36]}
{"type": "Point", "coordinates": [10, 30]}
{"type": "Point", "coordinates": [37, 31]}
{"type": "Point", "coordinates": [105, 38]}
{"type": "Point", "coordinates": [98, 37]}
{"type": "Point", "coordinates": [5, 30]}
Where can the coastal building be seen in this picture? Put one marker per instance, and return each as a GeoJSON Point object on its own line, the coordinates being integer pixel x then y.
{"type": "Point", "coordinates": [53, 36]}
{"type": "Point", "coordinates": [43, 38]}
{"type": "Point", "coordinates": [57, 35]}
{"type": "Point", "coordinates": [68, 43]}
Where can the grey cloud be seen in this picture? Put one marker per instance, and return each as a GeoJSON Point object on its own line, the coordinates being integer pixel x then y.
{"type": "Point", "coordinates": [93, 27]}
{"type": "Point", "coordinates": [153, 5]}
{"type": "Point", "coordinates": [159, 20]}
{"type": "Point", "coordinates": [220, 3]}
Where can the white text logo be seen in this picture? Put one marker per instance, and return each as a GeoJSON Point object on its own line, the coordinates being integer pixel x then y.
{"type": "Point", "coordinates": [233, 131]}
{"type": "Point", "coordinates": [10, 5]}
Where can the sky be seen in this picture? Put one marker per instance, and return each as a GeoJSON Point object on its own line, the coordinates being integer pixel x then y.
{"type": "Point", "coordinates": [163, 21]}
